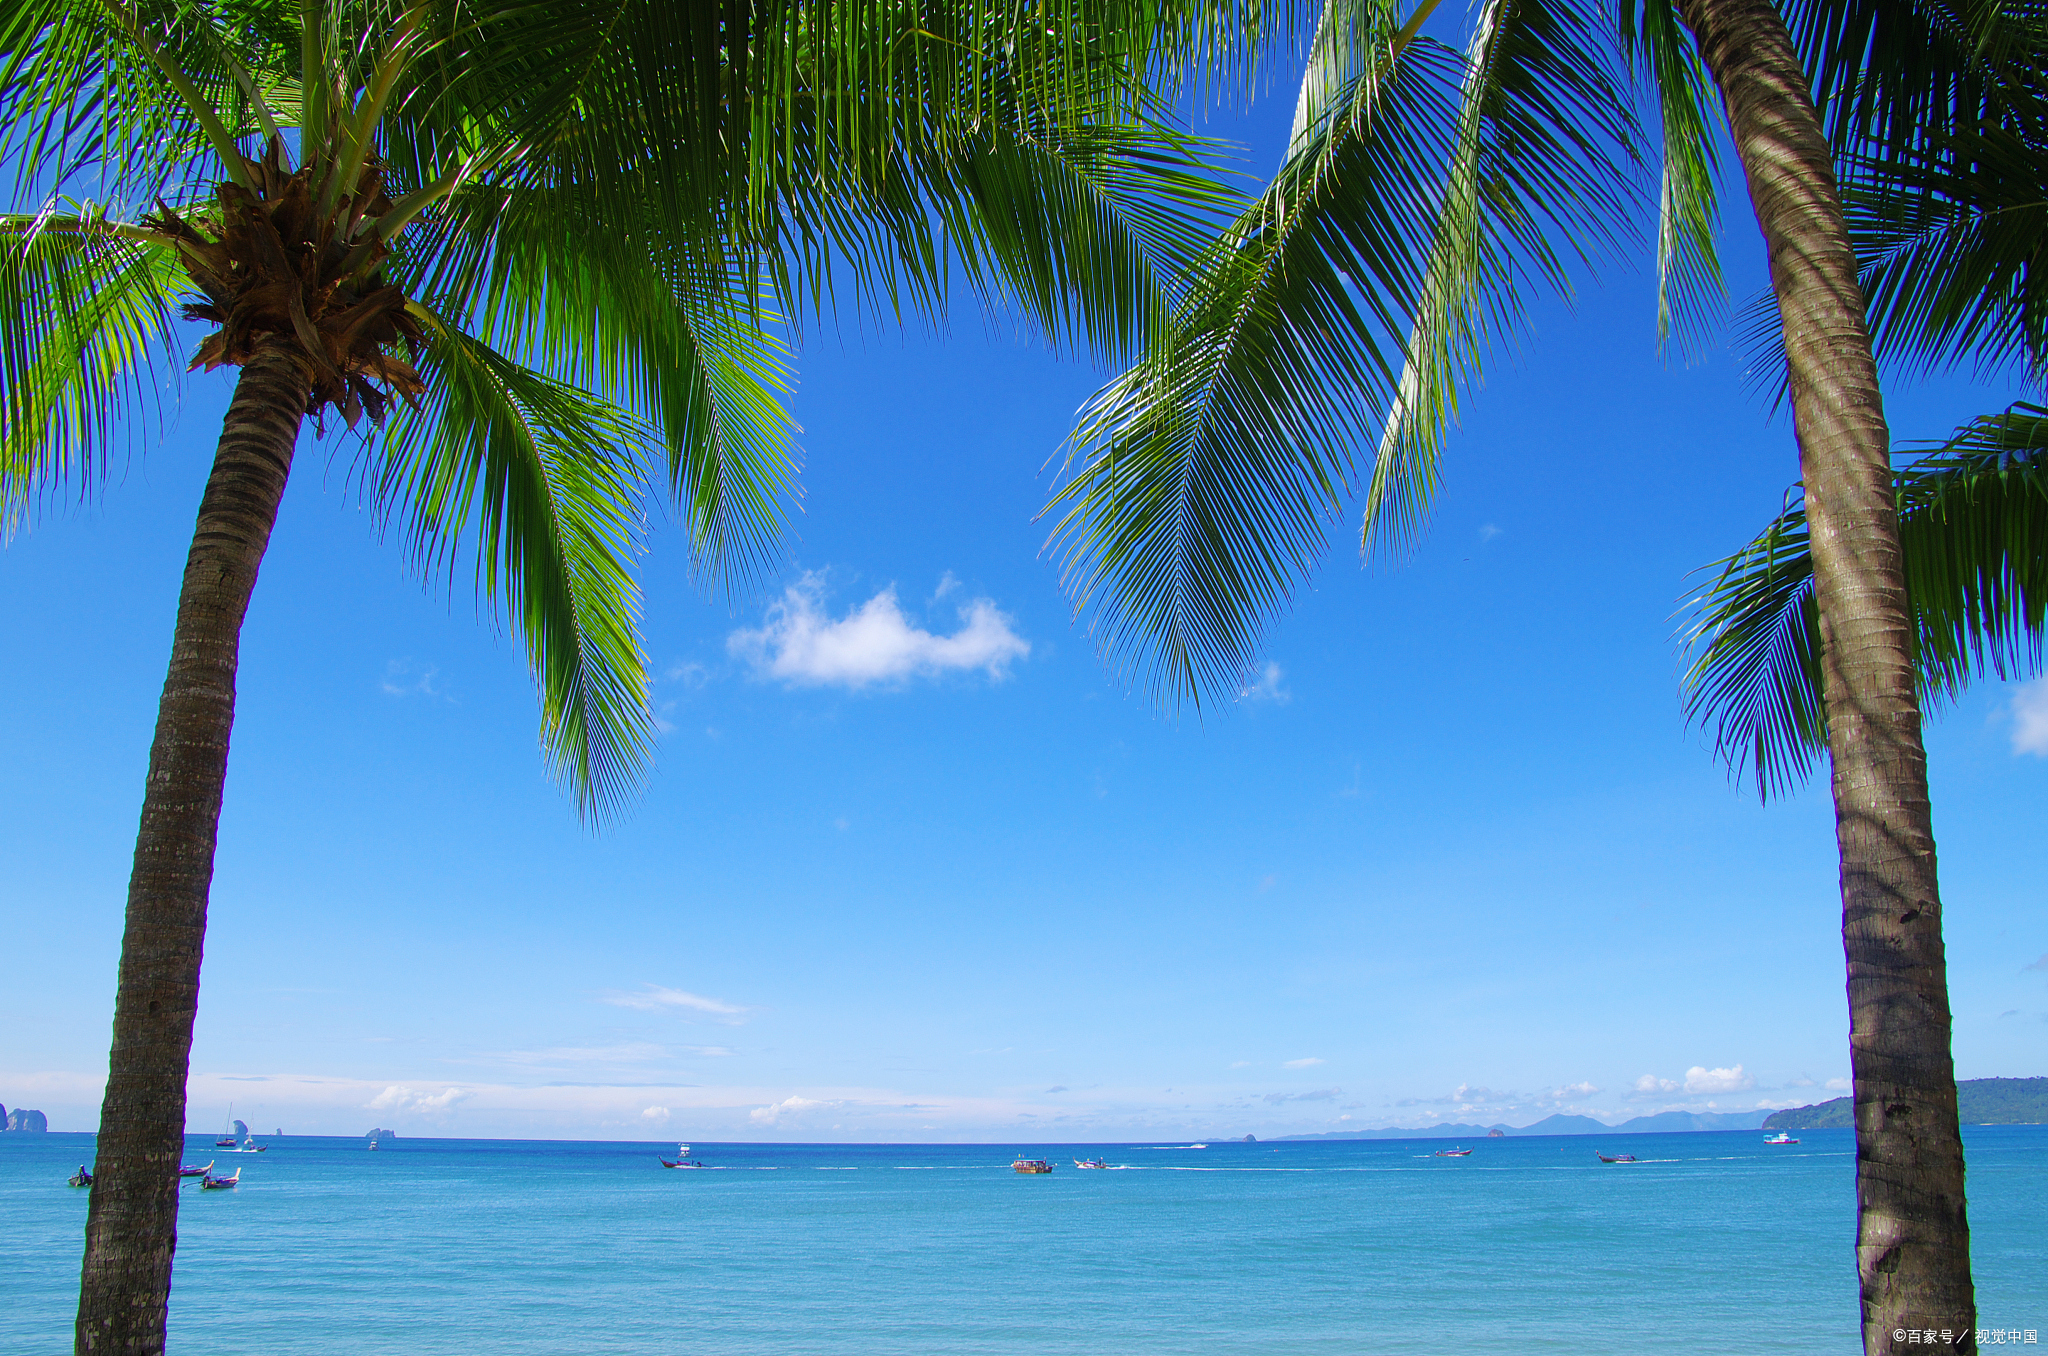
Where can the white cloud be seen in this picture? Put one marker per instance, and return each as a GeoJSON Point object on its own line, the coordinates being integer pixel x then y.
{"type": "Point", "coordinates": [1838, 1085]}
{"type": "Point", "coordinates": [775, 1111]}
{"type": "Point", "coordinates": [1268, 688]}
{"type": "Point", "coordinates": [2030, 718]}
{"type": "Point", "coordinates": [1308, 1063]}
{"type": "Point", "coordinates": [396, 1098]}
{"type": "Point", "coordinates": [1488, 531]}
{"type": "Point", "coordinates": [800, 643]}
{"type": "Point", "coordinates": [1572, 1091]}
{"type": "Point", "coordinates": [657, 998]}
{"type": "Point", "coordinates": [655, 1115]}
{"type": "Point", "coordinates": [1703, 1080]}
{"type": "Point", "coordinates": [1649, 1085]}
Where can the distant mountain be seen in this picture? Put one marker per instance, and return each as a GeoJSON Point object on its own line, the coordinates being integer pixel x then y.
{"type": "Point", "coordinates": [1566, 1125]}
{"type": "Point", "coordinates": [1679, 1122]}
{"type": "Point", "coordinates": [1979, 1101]}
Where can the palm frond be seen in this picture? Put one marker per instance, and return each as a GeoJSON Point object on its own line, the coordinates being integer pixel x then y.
{"type": "Point", "coordinates": [1537, 182]}
{"type": "Point", "coordinates": [1973, 528]}
{"type": "Point", "coordinates": [541, 477]}
{"type": "Point", "coordinates": [84, 332]}
{"type": "Point", "coordinates": [1421, 189]}
{"type": "Point", "coordinates": [1200, 479]}
{"type": "Point", "coordinates": [1688, 267]}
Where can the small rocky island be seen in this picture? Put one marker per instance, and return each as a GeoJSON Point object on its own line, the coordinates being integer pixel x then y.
{"type": "Point", "coordinates": [22, 1121]}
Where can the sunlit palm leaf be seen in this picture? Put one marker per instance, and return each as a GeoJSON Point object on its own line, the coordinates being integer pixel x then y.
{"type": "Point", "coordinates": [541, 479]}
{"type": "Point", "coordinates": [1973, 526]}
{"type": "Point", "coordinates": [1205, 472]}
{"type": "Point", "coordinates": [84, 328]}
{"type": "Point", "coordinates": [1537, 180]}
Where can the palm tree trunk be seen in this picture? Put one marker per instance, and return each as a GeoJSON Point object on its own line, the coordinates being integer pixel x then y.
{"type": "Point", "coordinates": [131, 1226]}
{"type": "Point", "coordinates": [1912, 1236]}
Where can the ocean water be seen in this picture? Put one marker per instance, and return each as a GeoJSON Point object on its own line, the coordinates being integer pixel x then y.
{"type": "Point", "coordinates": [514, 1247]}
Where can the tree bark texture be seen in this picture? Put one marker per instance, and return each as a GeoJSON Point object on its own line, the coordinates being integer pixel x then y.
{"type": "Point", "coordinates": [131, 1224]}
{"type": "Point", "coordinates": [1912, 1237]}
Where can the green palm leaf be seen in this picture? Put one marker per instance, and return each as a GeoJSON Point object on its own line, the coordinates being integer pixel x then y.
{"type": "Point", "coordinates": [84, 322]}
{"type": "Point", "coordinates": [1973, 526]}
{"type": "Point", "coordinates": [543, 477]}
{"type": "Point", "coordinates": [1420, 187]}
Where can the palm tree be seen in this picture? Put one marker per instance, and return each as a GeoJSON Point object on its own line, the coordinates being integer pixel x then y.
{"type": "Point", "coordinates": [541, 248]}
{"type": "Point", "coordinates": [1424, 193]}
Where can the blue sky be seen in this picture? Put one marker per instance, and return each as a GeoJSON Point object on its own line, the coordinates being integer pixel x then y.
{"type": "Point", "coordinates": [934, 875]}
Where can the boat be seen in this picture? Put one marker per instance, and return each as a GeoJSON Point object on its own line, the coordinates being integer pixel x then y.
{"type": "Point", "coordinates": [1031, 1165]}
{"type": "Point", "coordinates": [1452, 1153]}
{"type": "Point", "coordinates": [373, 1146]}
{"type": "Point", "coordinates": [79, 1178]}
{"type": "Point", "coordinates": [1090, 1163]}
{"type": "Point", "coordinates": [227, 1134]}
{"type": "Point", "coordinates": [682, 1159]}
{"type": "Point", "coordinates": [195, 1172]}
{"type": "Point", "coordinates": [1781, 1138]}
{"type": "Point", "coordinates": [1614, 1158]}
{"type": "Point", "coordinates": [212, 1183]}
{"type": "Point", "coordinates": [250, 1146]}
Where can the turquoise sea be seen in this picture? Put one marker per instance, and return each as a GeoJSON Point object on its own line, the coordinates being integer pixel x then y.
{"type": "Point", "coordinates": [1530, 1245]}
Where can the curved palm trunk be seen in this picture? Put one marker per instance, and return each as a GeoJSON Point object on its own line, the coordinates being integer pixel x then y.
{"type": "Point", "coordinates": [1912, 1238]}
{"type": "Point", "coordinates": [131, 1227]}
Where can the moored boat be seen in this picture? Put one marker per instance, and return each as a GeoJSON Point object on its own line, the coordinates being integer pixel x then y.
{"type": "Point", "coordinates": [1031, 1165]}
{"type": "Point", "coordinates": [212, 1183]}
{"type": "Point", "coordinates": [1614, 1158]}
{"type": "Point", "coordinates": [81, 1178]}
{"type": "Point", "coordinates": [1781, 1138]}
{"type": "Point", "coordinates": [195, 1172]}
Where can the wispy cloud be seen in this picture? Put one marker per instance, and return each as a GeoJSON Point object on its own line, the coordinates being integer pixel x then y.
{"type": "Point", "coordinates": [657, 998]}
{"type": "Point", "coordinates": [1308, 1063]}
{"type": "Point", "coordinates": [1317, 1095]}
{"type": "Point", "coordinates": [2041, 964]}
{"type": "Point", "coordinates": [404, 678]}
{"type": "Point", "coordinates": [1269, 687]}
{"type": "Point", "coordinates": [2030, 718]}
{"type": "Point", "coordinates": [1838, 1085]}
{"type": "Point", "coordinates": [1701, 1081]}
{"type": "Point", "coordinates": [775, 1111]}
{"type": "Point", "coordinates": [799, 642]}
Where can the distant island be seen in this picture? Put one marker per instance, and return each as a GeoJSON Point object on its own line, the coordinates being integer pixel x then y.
{"type": "Point", "coordinates": [1979, 1101]}
{"type": "Point", "coordinates": [22, 1121]}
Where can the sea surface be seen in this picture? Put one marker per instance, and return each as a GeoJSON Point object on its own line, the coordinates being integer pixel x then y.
{"type": "Point", "coordinates": [1712, 1242]}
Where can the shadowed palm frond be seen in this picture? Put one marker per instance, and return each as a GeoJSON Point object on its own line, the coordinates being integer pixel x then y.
{"type": "Point", "coordinates": [85, 323]}
{"type": "Point", "coordinates": [543, 479]}
{"type": "Point", "coordinates": [1973, 526]}
{"type": "Point", "coordinates": [1954, 243]}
